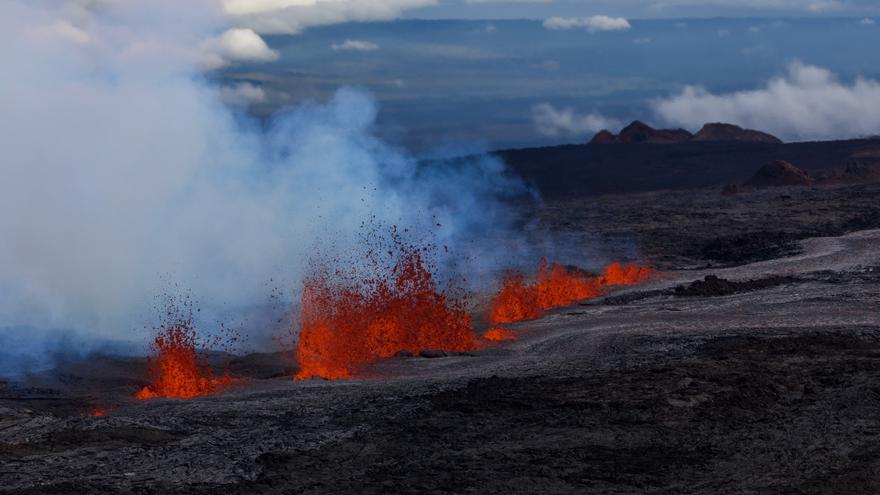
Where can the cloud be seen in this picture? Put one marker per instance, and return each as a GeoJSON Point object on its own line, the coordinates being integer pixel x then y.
{"type": "Point", "coordinates": [591, 24]}
{"type": "Point", "coordinates": [808, 102]}
{"type": "Point", "coordinates": [236, 45]}
{"type": "Point", "coordinates": [293, 16]}
{"type": "Point", "coordinates": [555, 122]}
{"type": "Point", "coordinates": [63, 30]}
{"type": "Point", "coordinates": [808, 5]}
{"type": "Point", "coordinates": [355, 45]}
{"type": "Point", "coordinates": [867, 21]}
{"type": "Point", "coordinates": [242, 94]}
{"type": "Point", "coordinates": [507, 1]}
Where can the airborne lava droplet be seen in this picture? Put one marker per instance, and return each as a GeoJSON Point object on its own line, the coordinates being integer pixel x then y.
{"type": "Point", "coordinates": [348, 321]}
{"type": "Point", "coordinates": [556, 286]}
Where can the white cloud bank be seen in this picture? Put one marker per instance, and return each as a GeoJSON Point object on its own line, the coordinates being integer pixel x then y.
{"type": "Point", "coordinates": [355, 45]}
{"type": "Point", "coordinates": [556, 122]}
{"type": "Point", "coordinates": [293, 16]}
{"type": "Point", "coordinates": [815, 6]}
{"type": "Point", "coordinates": [591, 24]}
{"type": "Point", "coordinates": [245, 22]}
{"type": "Point", "coordinates": [235, 45]}
{"type": "Point", "coordinates": [808, 102]}
{"type": "Point", "coordinates": [242, 94]}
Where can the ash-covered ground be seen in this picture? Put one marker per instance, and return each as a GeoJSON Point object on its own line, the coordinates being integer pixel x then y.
{"type": "Point", "coordinates": [750, 365]}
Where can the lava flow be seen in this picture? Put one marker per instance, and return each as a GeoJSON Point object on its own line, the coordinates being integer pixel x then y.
{"type": "Point", "coordinates": [97, 412]}
{"type": "Point", "coordinates": [499, 334]}
{"type": "Point", "coordinates": [348, 321]}
{"type": "Point", "coordinates": [556, 286]}
{"type": "Point", "coordinates": [176, 369]}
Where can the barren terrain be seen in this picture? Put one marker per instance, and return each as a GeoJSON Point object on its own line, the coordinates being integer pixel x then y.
{"type": "Point", "coordinates": [765, 379]}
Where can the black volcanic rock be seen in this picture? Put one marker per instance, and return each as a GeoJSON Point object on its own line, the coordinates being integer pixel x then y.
{"type": "Point", "coordinates": [857, 171]}
{"type": "Point", "coordinates": [730, 132]}
{"type": "Point", "coordinates": [714, 286]}
{"type": "Point", "coordinates": [733, 189]}
{"type": "Point", "coordinates": [433, 354]}
{"type": "Point", "coordinates": [779, 173]}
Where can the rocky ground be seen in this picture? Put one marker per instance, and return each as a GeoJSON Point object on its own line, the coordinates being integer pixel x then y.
{"type": "Point", "coordinates": [751, 365]}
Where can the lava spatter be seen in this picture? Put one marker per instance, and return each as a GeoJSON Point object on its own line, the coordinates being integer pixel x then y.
{"type": "Point", "coordinates": [556, 286]}
{"type": "Point", "coordinates": [175, 367]}
{"type": "Point", "coordinates": [349, 320]}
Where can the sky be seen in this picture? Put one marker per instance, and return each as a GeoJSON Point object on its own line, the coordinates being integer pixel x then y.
{"type": "Point", "coordinates": [484, 74]}
{"type": "Point", "coordinates": [642, 9]}
{"type": "Point", "coordinates": [518, 83]}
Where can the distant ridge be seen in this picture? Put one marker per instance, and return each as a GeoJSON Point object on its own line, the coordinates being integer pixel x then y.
{"type": "Point", "coordinates": [729, 132]}
{"type": "Point", "coordinates": [579, 170]}
{"type": "Point", "coordinates": [638, 133]}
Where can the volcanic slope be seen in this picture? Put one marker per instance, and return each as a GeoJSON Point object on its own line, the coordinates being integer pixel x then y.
{"type": "Point", "coordinates": [762, 380]}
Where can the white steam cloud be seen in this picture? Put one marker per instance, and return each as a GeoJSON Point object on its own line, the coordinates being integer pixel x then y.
{"type": "Point", "coordinates": [591, 24]}
{"type": "Point", "coordinates": [554, 122]}
{"type": "Point", "coordinates": [235, 45]}
{"type": "Point", "coordinates": [808, 102]}
{"type": "Point", "coordinates": [293, 16]}
{"type": "Point", "coordinates": [123, 171]}
{"type": "Point", "coordinates": [355, 45]}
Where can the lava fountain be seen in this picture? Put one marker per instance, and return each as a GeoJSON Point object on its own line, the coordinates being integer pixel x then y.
{"type": "Point", "coordinates": [348, 321]}
{"type": "Point", "coordinates": [176, 369]}
{"type": "Point", "coordinates": [557, 286]}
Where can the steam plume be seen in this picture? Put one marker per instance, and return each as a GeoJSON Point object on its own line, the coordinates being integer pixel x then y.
{"type": "Point", "coordinates": [123, 171]}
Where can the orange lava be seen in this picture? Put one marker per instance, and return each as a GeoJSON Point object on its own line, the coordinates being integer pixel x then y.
{"type": "Point", "coordinates": [176, 370]}
{"type": "Point", "coordinates": [98, 412]}
{"type": "Point", "coordinates": [557, 286]}
{"type": "Point", "coordinates": [348, 321]}
{"type": "Point", "coordinates": [499, 334]}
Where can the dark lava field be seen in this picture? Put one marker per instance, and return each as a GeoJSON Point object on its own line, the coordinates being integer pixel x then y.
{"type": "Point", "coordinates": [750, 364]}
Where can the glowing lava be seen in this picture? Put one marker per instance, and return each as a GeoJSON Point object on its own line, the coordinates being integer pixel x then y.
{"type": "Point", "coordinates": [349, 321]}
{"type": "Point", "coordinates": [97, 412]}
{"type": "Point", "coordinates": [499, 334]}
{"type": "Point", "coordinates": [176, 369]}
{"type": "Point", "coordinates": [557, 286]}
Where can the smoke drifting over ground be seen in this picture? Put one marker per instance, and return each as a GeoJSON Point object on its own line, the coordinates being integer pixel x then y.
{"type": "Point", "coordinates": [123, 173]}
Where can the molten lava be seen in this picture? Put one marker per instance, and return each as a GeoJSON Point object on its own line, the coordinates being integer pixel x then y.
{"type": "Point", "coordinates": [556, 286]}
{"type": "Point", "coordinates": [348, 321]}
{"type": "Point", "coordinates": [499, 334]}
{"type": "Point", "coordinates": [176, 369]}
{"type": "Point", "coordinates": [97, 412]}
